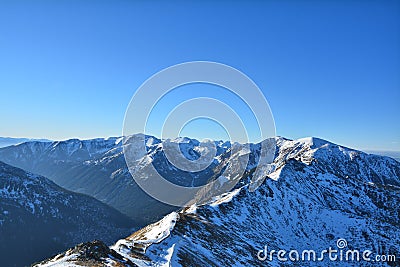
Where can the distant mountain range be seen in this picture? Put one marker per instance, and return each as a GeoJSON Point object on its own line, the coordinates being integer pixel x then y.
{"type": "Point", "coordinates": [10, 141]}
{"type": "Point", "coordinates": [97, 168]}
{"type": "Point", "coordinates": [39, 218]}
{"type": "Point", "coordinates": [392, 154]}
{"type": "Point", "coordinates": [315, 194]}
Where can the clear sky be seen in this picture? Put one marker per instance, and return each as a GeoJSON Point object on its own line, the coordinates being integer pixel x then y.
{"type": "Point", "coordinates": [328, 68]}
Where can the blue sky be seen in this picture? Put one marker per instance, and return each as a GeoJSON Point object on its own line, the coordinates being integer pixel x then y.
{"type": "Point", "coordinates": [327, 68]}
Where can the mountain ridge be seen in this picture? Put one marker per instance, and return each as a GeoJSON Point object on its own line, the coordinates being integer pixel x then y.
{"type": "Point", "coordinates": [9, 141]}
{"type": "Point", "coordinates": [97, 167]}
{"type": "Point", "coordinates": [314, 194]}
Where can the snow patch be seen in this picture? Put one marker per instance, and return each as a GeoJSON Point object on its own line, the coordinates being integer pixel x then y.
{"type": "Point", "coordinates": [276, 174]}
{"type": "Point", "coordinates": [65, 261]}
{"type": "Point", "coordinates": [224, 198]}
{"type": "Point", "coordinates": [153, 233]}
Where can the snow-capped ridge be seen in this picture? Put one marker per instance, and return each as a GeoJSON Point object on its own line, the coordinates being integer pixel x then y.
{"type": "Point", "coordinates": [152, 234]}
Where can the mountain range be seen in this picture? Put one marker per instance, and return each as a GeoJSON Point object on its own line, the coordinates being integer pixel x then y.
{"type": "Point", "coordinates": [315, 194]}
{"type": "Point", "coordinates": [97, 168]}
